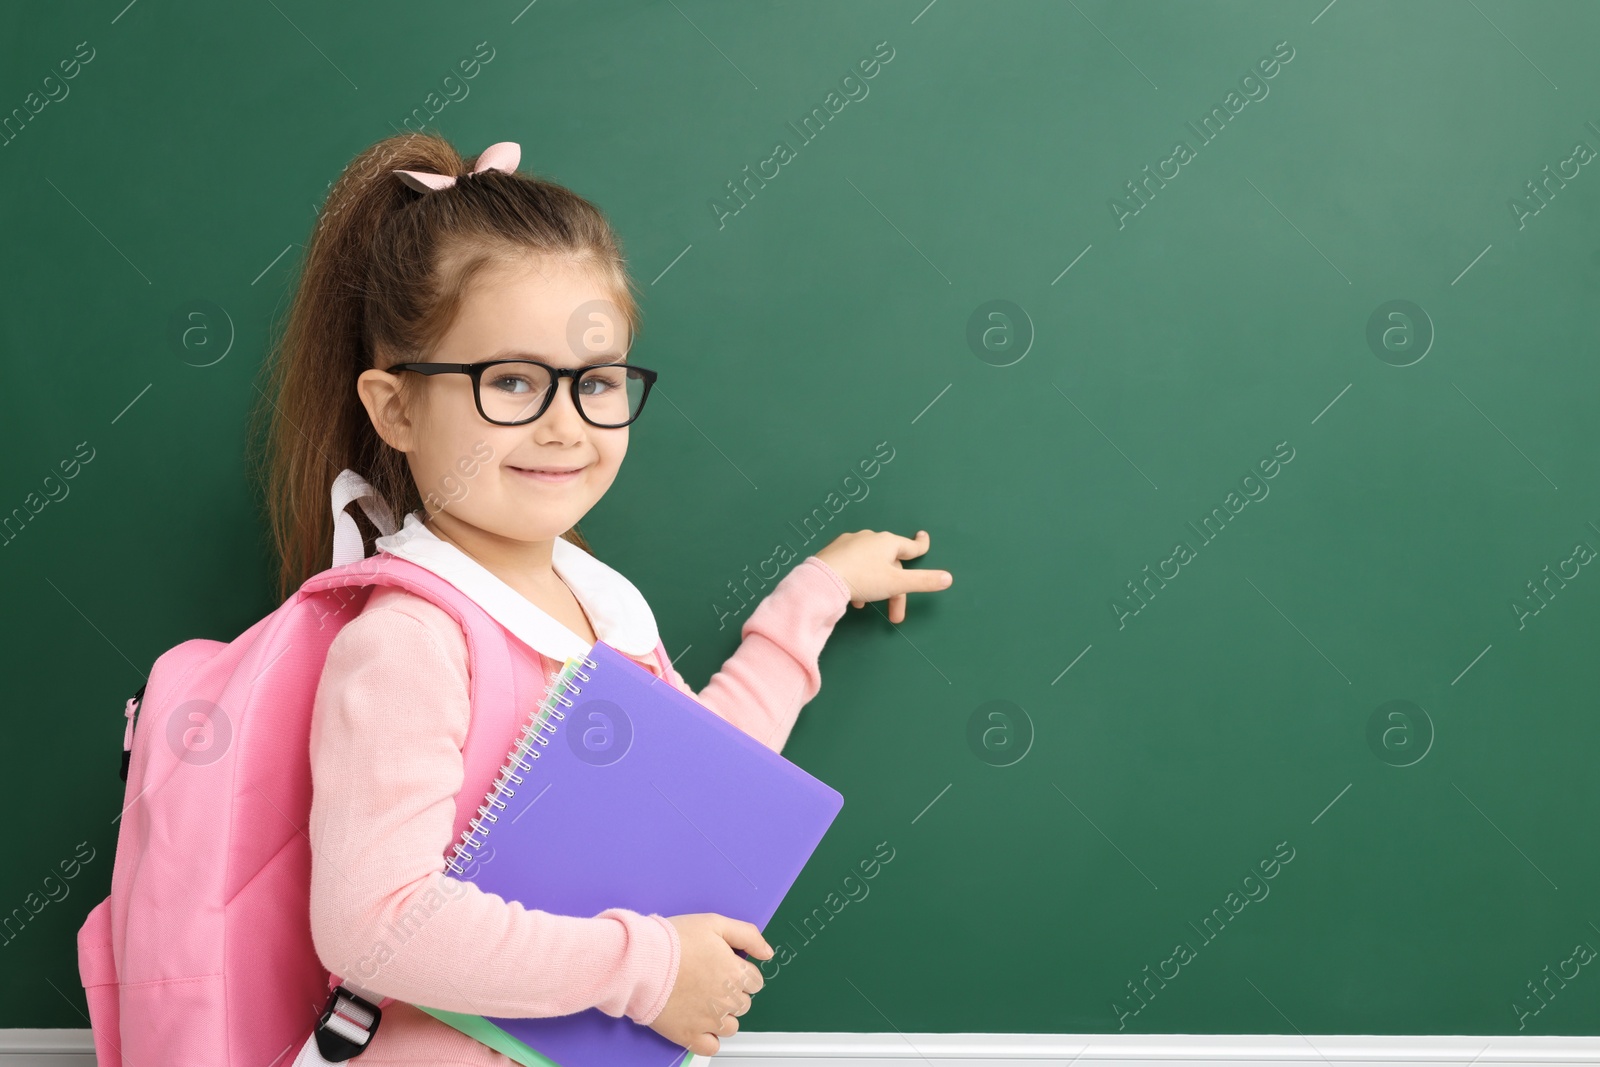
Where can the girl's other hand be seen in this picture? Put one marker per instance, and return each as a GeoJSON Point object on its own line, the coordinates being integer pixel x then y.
{"type": "Point", "coordinates": [714, 984]}
{"type": "Point", "coordinates": [869, 563]}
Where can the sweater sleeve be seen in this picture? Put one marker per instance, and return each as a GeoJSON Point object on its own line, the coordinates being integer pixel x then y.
{"type": "Point", "coordinates": [773, 673]}
{"type": "Point", "coordinates": [388, 725]}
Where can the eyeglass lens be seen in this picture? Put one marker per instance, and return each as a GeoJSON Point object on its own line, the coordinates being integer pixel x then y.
{"type": "Point", "coordinates": [512, 392]}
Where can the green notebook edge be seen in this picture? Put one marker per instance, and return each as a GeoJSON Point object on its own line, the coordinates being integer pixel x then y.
{"type": "Point", "coordinates": [486, 1032]}
{"type": "Point", "coordinates": [482, 1030]}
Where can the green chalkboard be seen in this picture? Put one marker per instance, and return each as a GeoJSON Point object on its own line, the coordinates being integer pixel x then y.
{"type": "Point", "coordinates": [1239, 358]}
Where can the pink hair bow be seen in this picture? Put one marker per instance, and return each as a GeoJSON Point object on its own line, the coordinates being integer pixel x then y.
{"type": "Point", "coordinates": [503, 155]}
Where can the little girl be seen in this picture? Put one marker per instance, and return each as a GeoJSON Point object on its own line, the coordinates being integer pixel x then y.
{"type": "Point", "coordinates": [460, 340]}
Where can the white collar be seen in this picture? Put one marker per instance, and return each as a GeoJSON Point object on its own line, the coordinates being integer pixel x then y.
{"type": "Point", "coordinates": [619, 613]}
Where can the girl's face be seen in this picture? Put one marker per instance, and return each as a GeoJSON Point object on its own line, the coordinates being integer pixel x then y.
{"type": "Point", "coordinates": [474, 470]}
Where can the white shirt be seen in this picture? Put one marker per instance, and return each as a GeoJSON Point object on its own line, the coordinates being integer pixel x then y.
{"type": "Point", "coordinates": [619, 613]}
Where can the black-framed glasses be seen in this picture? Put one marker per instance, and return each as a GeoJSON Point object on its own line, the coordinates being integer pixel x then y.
{"type": "Point", "coordinates": [511, 392]}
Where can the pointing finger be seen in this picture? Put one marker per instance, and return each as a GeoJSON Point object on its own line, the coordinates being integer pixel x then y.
{"type": "Point", "coordinates": [916, 580]}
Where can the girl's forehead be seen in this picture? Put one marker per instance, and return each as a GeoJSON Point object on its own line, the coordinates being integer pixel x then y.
{"type": "Point", "coordinates": [544, 310]}
{"type": "Point", "coordinates": [540, 283]}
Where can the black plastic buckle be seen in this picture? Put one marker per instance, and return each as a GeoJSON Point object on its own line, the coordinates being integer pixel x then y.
{"type": "Point", "coordinates": [127, 753]}
{"type": "Point", "coordinates": [334, 1046]}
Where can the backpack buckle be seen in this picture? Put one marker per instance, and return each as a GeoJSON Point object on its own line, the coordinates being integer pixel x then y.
{"type": "Point", "coordinates": [131, 711]}
{"type": "Point", "coordinates": [347, 1025]}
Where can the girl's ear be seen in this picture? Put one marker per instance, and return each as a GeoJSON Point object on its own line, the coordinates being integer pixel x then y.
{"type": "Point", "coordinates": [380, 395]}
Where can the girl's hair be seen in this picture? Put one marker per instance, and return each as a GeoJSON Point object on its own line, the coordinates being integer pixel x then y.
{"type": "Point", "coordinates": [382, 281]}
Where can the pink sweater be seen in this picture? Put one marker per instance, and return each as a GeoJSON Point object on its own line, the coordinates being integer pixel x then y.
{"type": "Point", "coordinates": [387, 731]}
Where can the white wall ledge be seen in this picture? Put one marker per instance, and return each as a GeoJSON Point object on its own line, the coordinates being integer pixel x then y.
{"type": "Point", "coordinates": [75, 1048]}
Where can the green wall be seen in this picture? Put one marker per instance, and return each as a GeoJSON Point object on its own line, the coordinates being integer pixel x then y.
{"type": "Point", "coordinates": [1118, 721]}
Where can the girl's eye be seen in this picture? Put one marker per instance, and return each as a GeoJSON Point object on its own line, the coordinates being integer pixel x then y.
{"type": "Point", "coordinates": [510, 382]}
{"type": "Point", "coordinates": [598, 383]}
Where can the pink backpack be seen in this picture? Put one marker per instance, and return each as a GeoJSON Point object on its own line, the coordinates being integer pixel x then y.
{"type": "Point", "coordinates": [201, 955]}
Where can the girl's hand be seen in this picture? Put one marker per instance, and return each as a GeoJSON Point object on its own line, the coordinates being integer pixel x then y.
{"type": "Point", "coordinates": [869, 563]}
{"type": "Point", "coordinates": [714, 983]}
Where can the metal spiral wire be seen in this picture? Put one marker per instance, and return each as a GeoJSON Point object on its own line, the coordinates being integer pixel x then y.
{"type": "Point", "coordinates": [535, 731]}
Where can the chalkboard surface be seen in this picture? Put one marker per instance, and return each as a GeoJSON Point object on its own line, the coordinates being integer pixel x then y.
{"type": "Point", "coordinates": [1239, 358]}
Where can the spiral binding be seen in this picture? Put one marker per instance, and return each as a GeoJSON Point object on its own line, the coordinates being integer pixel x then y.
{"type": "Point", "coordinates": [534, 732]}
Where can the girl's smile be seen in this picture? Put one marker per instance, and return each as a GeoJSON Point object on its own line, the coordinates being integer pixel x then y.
{"type": "Point", "coordinates": [552, 475]}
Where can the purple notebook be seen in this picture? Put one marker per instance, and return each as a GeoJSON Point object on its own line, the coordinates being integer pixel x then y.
{"type": "Point", "coordinates": [724, 824]}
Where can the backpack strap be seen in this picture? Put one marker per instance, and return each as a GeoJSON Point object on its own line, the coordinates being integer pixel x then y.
{"type": "Point", "coordinates": [352, 1013]}
{"type": "Point", "coordinates": [350, 487]}
{"type": "Point", "coordinates": [488, 643]}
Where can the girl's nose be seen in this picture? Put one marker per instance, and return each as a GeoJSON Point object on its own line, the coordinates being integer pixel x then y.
{"type": "Point", "coordinates": [562, 417]}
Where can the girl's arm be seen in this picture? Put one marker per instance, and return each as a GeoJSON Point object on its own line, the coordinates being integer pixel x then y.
{"type": "Point", "coordinates": [773, 673]}
{"type": "Point", "coordinates": [388, 726]}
